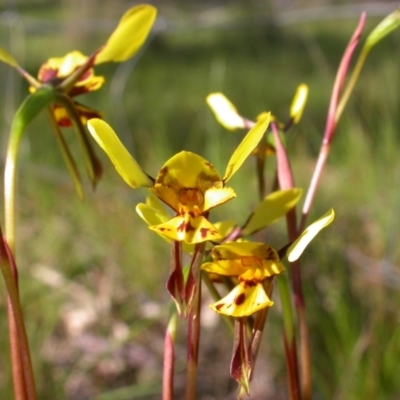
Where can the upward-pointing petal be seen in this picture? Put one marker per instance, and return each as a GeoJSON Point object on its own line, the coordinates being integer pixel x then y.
{"type": "Point", "coordinates": [297, 247]}
{"type": "Point", "coordinates": [246, 146]}
{"type": "Point", "coordinates": [129, 35]}
{"type": "Point", "coordinates": [124, 163]}
{"type": "Point", "coordinates": [8, 58]}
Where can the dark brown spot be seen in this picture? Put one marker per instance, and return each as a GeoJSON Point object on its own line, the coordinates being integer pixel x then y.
{"type": "Point", "coordinates": [185, 226]}
{"type": "Point", "coordinates": [240, 299]}
{"type": "Point", "coordinates": [219, 306]}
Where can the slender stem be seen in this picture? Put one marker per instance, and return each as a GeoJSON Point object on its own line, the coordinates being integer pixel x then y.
{"type": "Point", "coordinates": [289, 337]}
{"type": "Point", "coordinates": [193, 346]}
{"type": "Point", "coordinates": [194, 324]}
{"type": "Point", "coordinates": [19, 342]}
{"type": "Point", "coordinates": [169, 354]}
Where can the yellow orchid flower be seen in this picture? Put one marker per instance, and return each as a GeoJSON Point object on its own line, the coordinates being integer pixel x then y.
{"type": "Point", "coordinates": [252, 263]}
{"type": "Point", "coordinates": [73, 74]}
{"type": "Point", "coordinates": [187, 182]}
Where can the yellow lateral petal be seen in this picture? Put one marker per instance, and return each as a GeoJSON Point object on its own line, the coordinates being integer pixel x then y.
{"type": "Point", "coordinates": [246, 146]}
{"type": "Point", "coordinates": [225, 267]}
{"type": "Point", "coordinates": [214, 197]}
{"type": "Point", "coordinates": [124, 163]}
{"type": "Point", "coordinates": [7, 58]}
{"type": "Point", "coordinates": [234, 250]}
{"type": "Point", "coordinates": [225, 112]}
{"type": "Point", "coordinates": [272, 208]}
{"type": "Point", "coordinates": [243, 300]}
{"type": "Point", "coordinates": [298, 246]}
{"type": "Point", "coordinates": [129, 35]}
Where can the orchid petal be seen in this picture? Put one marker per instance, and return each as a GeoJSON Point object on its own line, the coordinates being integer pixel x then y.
{"type": "Point", "coordinates": [225, 267]}
{"type": "Point", "coordinates": [298, 103]}
{"type": "Point", "coordinates": [298, 246]}
{"type": "Point", "coordinates": [247, 145]}
{"type": "Point", "coordinates": [187, 229]}
{"type": "Point", "coordinates": [216, 196]}
{"type": "Point", "coordinates": [225, 112]}
{"type": "Point", "coordinates": [189, 170]}
{"type": "Point", "coordinates": [124, 163]}
{"type": "Point", "coordinates": [243, 300]}
{"type": "Point", "coordinates": [272, 208]}
{"type": "Point", "coordinates": [153, 215]}
{"type": "Point", "coordinates": [129, 35]}
{"type": "Point", "coordinates": [7, 58]}
{"type": "Point", "coordinates": [225, 227]}
{"type": "Point", "coordinates": [238, 250]}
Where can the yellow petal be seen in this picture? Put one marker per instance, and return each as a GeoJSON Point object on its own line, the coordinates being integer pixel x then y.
{"type": "Point", "coordinates": [225, 267]}
{"type": "Point", "coordinates": [272, 208]}
{"type": "Point", "coordinates": [225, 112]}
{"type": "Point", "coordinates": [243, 300]}
{"type": "Point", "coordinates": [246, 146]}
{"type": "Point", "coordinates": [298, 103]}
{"type": "Point", "coordinates": [225, 227]}
{"type": "Point", "coordinates": [187, 229]}
{"type": "Point", "coordinates": [188, 170]}
{"type": "Point", "coordinates": [155, 216]}
{"type": "Point", "coordinates": [153, 202]}
{"type": "Point", "coordinates": [124, 163]}
{"type": "Point", "coordinates": [298, 246]}
{"type": "Point", "coordinates": [234, 250]}
{"type": "Point", "coordinates": [7, 58]}
{"type": "Point", "coordinates": [129, 35]}
{"type": "Point", "coordinates": [150, 215]}
{"type": "Point", "coordinates": [214, 197]}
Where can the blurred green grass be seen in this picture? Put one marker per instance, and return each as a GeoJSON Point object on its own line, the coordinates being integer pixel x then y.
{"type": "Point", "coordinates": [93, 276]}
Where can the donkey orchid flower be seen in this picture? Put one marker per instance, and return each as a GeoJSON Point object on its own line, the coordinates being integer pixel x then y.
{"type": "Point", "coordinates": [252, 263]}
{"type": "Point", "coordinates": [187, 182]}
{"type": "Point", "coordinates": [73, 74]}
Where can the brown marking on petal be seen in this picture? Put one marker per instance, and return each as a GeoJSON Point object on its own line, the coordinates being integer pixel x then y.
{"type": "Point", "coordinates": [185, 227]}
{"type": "Point", "coordinates": [240, 299]}
{"type": "Point", "coordinates": [219, 306]}
{"type": "Point", "coordinates": [248, 282]}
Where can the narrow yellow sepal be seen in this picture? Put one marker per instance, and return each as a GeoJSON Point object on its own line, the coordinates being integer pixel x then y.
{"type": "Point", "coordinates": [246, 146]}
{"type": "Point", "coordinates": [272, 208]}
{"type": "Point", "coordinates": [225, 112]}
{"type": "Point", "coordinates": [297, 247]}
{"type": "Point", "coordinates": [124, 163]}
{"type": "Point", "coordinates": [129, 35]}
{"type": "Point", "coordinates": [7, 58]}
{"type": "Point", "coordinates": [298, 103]}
